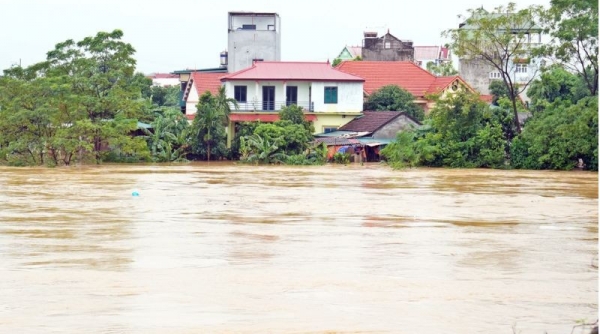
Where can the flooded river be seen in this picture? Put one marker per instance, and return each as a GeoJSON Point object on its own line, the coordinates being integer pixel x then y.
{"type": "Point", "coordinates": [222, 248]}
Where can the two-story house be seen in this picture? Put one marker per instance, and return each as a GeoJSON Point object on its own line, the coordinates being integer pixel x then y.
{"type": "Point", "coordinates": [329, 97]}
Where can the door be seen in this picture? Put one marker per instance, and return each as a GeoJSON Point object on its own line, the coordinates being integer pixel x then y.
{"type": "Point", "coordinates": [291, 95]}
{"type": "Point", "coordinates": [268, 98]}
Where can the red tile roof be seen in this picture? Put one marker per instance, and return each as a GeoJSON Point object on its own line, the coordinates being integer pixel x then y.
{"type": "Point", "coordinates": [440, 83]}
{"type": "Point", "coordinates": [404, 74]}
{"type": "Point", "coordinates": [371, 121]}
{"type": "Point", "coordinates": [206, 82]}
{"type": "Point", "coordinates": [298, 71]}
{"type": "Point", "coordinates": [486, 98]}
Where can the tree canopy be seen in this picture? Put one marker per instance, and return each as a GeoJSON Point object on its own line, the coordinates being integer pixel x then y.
{"type": "Point", "coordinates": [498, 38]}
{"type": "Point", "coordinates": [462, 131]}
{"type": "Point", "coordinates": [394, 98]}
{"type": "Point", "coordinates": [82, 102]}
{"type": "Point", "coordinates": [573, 26]}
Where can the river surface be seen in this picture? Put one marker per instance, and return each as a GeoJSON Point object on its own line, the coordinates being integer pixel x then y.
{"type": "Point", "coordinates": [220, 248]}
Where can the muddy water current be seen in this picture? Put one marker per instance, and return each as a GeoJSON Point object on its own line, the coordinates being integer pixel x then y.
{"type": "Point", "coordinates": [220, 248]}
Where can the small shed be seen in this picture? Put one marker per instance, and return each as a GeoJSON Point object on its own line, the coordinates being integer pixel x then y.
{"type": "Point", "coordinates": [369, 132]}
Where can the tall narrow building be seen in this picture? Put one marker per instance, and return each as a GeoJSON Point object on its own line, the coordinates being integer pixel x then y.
{"type": "Point", "coordinates": [252, 37]}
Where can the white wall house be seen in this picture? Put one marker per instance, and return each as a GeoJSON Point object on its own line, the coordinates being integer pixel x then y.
{"type": "Point", "coordinates": [316, 87]}
{"type": "Point", "coordinates": [329, 97]}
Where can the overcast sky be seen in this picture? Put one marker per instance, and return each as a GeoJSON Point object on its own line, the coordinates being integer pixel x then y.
{"type": "Point", "coordinates": [178, 34]}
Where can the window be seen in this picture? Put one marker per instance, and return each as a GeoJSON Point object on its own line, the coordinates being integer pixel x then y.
{"type": "Point", "coordinates": [291, 95]}
{"type": "Point", "coordinates": [239, 93]}
{"type": "Point", "coordinates": [495, 75]}
{"type": "Point", "coordinates": [328, 129]}
{"type": "Point", "coordinates": [521, 68]}
{"type": "Point", "coordinates": [249, 26]}
{"type": "Point", "coordinates": [331, 95]}
{"type": "Point", "coordinates": [388, 45]}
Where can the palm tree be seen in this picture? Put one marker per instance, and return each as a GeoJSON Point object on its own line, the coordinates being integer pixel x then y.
{"type": "Point", "coordinates": [209, 117]}
{"type": "Point", "coordinates": [224, 103]}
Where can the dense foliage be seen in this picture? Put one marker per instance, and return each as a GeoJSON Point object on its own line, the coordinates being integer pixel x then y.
{"type": "Point", "coordinates": [559, 137]}
{"type": "Point", "coordinates": [81, 104]}
{"type": "Point", "coordinates": [208, 128]}
{"type": "Point", "coordinates": [573, 26]}
{"type": "Point", "coordinates": [462, 131]}
{"type": "Point", "coordinates": [394, 98]}
{"type": "Point", "coordinates": [563, 131]}
{"type": "Point", "coordinates": [287, 141]}
{"type": "Point", "coordinates": [169, 137]}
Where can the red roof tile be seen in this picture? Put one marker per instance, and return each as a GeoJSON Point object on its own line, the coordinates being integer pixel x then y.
{"type": "Point", "coordinates": [440, 83]}
{"type": "Point", "coordinates": [404, 74]}
{"type": "Point", "coordinates": [298, 71]}
{"type": "Point", "coordinates": [206, 82]}
{"type": "Point", "coordinates": [486, 98]}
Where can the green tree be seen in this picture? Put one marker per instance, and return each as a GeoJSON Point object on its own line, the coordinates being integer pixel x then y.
{"type": "Point", "coordinates": [207, 127]}
{"type": "Point", "coordinates": [394, 98]}
{"type": "Point", "coordinates": [402, 152]}
{"type": "Point", "coordinates": [224, 104]}
{"type": "Point", "coordinates": [87, 96]}
{"type": "Point", "coordinates": [573, 25]}
{"type": "Point", "coordinates": [498, 38]}
{"type": "Point", "coordinates": [462, 131]}
{"type": "Point", "coordinates": [295, 114]}
{"type": "Point", "coordinates": [167, 96]}
{"type": "Point", "coordinates": [558, 137]}
{"type": "Point", "coordinates": [555, 83]}
{"type": "Point", "coordinates": [498, 90]}
{"type": "Point", "coordinates": [444, 69]}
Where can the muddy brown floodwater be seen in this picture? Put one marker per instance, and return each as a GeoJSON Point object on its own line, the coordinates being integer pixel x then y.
{"type": "Point", "coordinates": [211, 248]}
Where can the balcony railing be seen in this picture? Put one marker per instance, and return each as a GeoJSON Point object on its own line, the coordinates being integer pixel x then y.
{"type": "Point", "coordinates": [273, 105]}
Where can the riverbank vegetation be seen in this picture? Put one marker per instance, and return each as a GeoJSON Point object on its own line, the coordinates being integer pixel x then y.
{"type": "Point", "coordinates": [86, 104]}
{"type": "Point", "coordinates": [561, 130]}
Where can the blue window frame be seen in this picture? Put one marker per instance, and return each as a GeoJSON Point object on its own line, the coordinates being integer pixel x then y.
{"type": "Point", "coordinates": [331, 95]}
